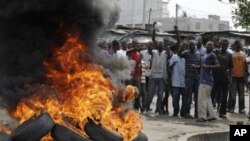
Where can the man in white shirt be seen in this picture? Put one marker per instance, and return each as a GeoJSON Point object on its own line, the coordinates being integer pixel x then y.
{"type": "Point", "coordinates": [158, 76]}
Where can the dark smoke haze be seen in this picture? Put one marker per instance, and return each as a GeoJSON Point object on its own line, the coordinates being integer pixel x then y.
{"type": "Point", "coordinates": [29, 29]}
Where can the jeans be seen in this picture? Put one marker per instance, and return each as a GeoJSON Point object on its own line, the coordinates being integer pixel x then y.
{"type": "Point", "coordinates": [237, 85]}
{"type": "Point", "coordinates": [192, 86]}
{"type": "Point", "coordinates": [166, 96]}
{"type": "Point", "coordinates": [177, 92]}
{"type": "Point", "coordinates": [143, 95]}
{"type": "Point", "coordinates": [220, 92]}
{"type": "Point", "coordinates": [155, 85]}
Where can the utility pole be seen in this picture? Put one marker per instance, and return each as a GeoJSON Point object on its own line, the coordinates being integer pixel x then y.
{"type": "Point", "coordinates": [176, 14]}
{"type": "Point", "coordinates": [144, 13]}
{"type": "Point", "coordinates": [133, 9]}
{"type": "Point", "coordinates": [149, 17]}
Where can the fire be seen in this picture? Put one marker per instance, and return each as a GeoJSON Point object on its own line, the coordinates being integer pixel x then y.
{"type": "Point", "coordinates": [77, 89]}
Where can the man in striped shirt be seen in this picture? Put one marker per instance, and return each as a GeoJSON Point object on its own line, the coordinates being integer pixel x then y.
{"type": "Point", "coordinates": [192, 81]}
{"type": "Point", "coordinates": [143, 67]}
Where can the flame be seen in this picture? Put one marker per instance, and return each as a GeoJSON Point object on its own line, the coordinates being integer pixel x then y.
{"type": "Point", "coordinates": [77, 89]}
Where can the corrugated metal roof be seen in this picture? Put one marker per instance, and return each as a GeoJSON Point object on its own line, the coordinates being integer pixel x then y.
{"type": "Point", "coordinates": [240, 34]}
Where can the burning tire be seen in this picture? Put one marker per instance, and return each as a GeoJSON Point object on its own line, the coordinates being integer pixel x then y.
{"type": "Point", "coordinates": [4, 137]}
{"type": "Point", "coordinates": [141, 137]}
{"type": "Point", "coordinates": [33, 129]}
{"type": "Point", "coordinates": [62, 133]}
{"type": "Point", "coordinates": [99, 133]}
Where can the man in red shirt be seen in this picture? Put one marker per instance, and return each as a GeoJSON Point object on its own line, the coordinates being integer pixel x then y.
{"type": "Point", "coordinates": [135, 55]}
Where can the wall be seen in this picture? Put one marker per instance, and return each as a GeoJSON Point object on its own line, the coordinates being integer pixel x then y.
{"type": "Point", "coordinates": [132, 11]}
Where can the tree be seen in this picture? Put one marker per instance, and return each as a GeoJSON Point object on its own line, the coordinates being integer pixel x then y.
{"type": "Point", "coordinates": [184, 14]}
{"type": "Point", "coordinates": [241, 13]}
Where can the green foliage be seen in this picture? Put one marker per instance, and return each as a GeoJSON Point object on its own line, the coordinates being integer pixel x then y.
{"type": "Point", "coordinates": [241, 14]}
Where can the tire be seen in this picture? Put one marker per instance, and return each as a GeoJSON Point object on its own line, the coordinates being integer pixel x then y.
{"type": "Point", "coordinates": [140, 137]}
{"type": "Point", "coordinates": [33, 129]}
{"type": "Point", "coordinates": [62, 133]}
{"type": "Point", "coordinates": [99, 133]}
{"type": "Point", "coordinates": [4, 137]}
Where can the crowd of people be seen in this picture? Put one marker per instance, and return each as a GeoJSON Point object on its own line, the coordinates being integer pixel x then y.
{"type": "Point", "coordinates": [209, 76]}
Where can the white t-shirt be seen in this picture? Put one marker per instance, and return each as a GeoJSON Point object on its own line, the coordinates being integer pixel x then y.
{"type": "Point", "coordinates": [121, 53]}
{"type": "Point", "coordinates": [146, 57]}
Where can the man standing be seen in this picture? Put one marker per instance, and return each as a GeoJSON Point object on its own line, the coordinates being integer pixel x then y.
{"type": "Point", "coordinates": [146, 57]}
{"type": "Point", "coordinates": [122, 51]}
{"type": "Point", "coordinates": [157, 78]}
{"type": "Point", "coordinates": [145, 72]}
{"type": "Point", "coordinates": [205, 107]}
{"type": "Point", "coordinates": [177, 64]}
{"type": "Point", "coordinates": [239, 73]}
{"type": "Point", "coordinates": [248, 76]}
{"type": "Point", "coordinates": [222, 77]}
{"type": "Point", "coordinates": [200, 49]}
{"type": "Point", "coordinates": [135, 55]}
{"type": "Point", "coordinates": [191, 80]}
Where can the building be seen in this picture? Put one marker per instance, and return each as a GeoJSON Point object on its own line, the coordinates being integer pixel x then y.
{"type": "Point", "coordinates": [213, 23]}
{"type": "Point", "coordinates": [135, 13]}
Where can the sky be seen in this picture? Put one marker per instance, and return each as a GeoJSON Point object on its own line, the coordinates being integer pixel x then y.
{"type": "Point", "coordinates": [203, 8]}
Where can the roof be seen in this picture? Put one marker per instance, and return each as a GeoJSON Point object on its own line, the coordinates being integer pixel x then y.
{"type": "Point", "coordinates": [246, 34]}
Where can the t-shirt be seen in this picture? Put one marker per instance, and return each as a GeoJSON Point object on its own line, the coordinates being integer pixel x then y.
{"type": "Point", "coordinates": [136, 57]}
{"type": "Point", "coordinates": [201, 51]}
{"type": "Point", "coordinates": [226, 63]}
{"type": "Point", "coordinates": [143, 66]}
{"type": "Point", "coordinates": [159, 65]}
{"type": "Point", "coordinates": [239, 61]}
{"type": "Point", "coordinates": [121, 53]}
{"type": "Point", "coordinates": [192, 59]}
{"type": "Point", "coordinates": [146, 57]}
{"type": "Point", "coordinates": [178, 71]}
{"type": "Point", "coordinates": [206, 73]}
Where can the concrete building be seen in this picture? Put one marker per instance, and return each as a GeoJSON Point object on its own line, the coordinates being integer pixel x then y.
{"type": "Point", "coordinates": [132, 11]}
{"type": "Point", "coordinates": [133, 15]}
{"type": "Point", "coordinates": [213, 23]}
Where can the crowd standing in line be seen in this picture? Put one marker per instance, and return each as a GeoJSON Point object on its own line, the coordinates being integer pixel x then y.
{"type": "Point", "coordinates": [209, 76]}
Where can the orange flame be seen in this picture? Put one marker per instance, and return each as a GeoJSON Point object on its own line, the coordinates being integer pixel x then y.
{"type": "Point", "coordinates": [77, 89]}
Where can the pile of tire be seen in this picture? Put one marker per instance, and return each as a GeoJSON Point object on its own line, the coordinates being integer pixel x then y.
{"type": "Point", "coordinates": [35, 128]}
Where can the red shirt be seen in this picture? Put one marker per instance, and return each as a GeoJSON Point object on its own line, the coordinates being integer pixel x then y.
{"type": "Point", "coordinates": [135, 56]}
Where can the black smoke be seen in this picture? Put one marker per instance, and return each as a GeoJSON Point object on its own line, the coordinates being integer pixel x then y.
{"type": "Point", "coordinates": [29, 29]}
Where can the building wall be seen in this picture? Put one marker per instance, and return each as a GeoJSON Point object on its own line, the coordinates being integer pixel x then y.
{"type": "Point", "coordinates": [132, 11]}
{"type": "Point", "coordinates": [194, 24]}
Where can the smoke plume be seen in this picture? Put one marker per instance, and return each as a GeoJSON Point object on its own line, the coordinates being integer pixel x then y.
{"type": "Point", "coordinates": [29, 29]}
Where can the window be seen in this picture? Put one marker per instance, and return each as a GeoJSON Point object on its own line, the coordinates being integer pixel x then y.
{"type": "Point", "coordinates": [197, 25]}
{"type": "Point", "coordinates": [211, 26]}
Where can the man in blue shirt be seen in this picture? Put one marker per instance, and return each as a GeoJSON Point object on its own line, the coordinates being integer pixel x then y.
{"type": "Point", "coordinates": [177, 64]}
{"type": "Point", "coordinates": [201, 50]}
{"type": "Point", "coordinates": [205, 107]}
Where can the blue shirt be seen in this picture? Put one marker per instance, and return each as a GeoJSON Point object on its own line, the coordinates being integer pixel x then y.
{"type": "Point", "coordinates": [178, 73]}
{"type": "Point", "coordinates": [201, 51]}
{"type": "Point", "coordinates": [206, 73]}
